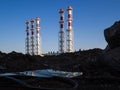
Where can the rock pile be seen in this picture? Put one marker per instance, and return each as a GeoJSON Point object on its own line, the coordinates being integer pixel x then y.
{"type": "Point", "coordinates": [112, 52]}
{"type": "Point", "coordinates": [112, 35]}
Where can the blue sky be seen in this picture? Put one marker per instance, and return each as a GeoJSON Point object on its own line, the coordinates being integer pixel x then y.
{"type": "Point", "coordinates": [90, 18]}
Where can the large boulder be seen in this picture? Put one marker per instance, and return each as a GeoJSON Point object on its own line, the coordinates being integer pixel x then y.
{"type": "Point", "coordinates": [112, 58]}
{"type": "Point", "coordinates": [112, 35]}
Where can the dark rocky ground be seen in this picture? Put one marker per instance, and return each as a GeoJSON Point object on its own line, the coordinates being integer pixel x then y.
{"type": "Point", "coordinates": [101, 68]}
{"type": "Point", "coordinates": [85, 61]}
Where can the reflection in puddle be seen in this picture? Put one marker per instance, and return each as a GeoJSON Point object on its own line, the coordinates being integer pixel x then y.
{"type": "Point", "coordinates": [46, 73]}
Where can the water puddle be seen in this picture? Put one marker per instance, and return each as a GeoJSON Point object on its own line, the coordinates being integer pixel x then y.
{"type": "Point", "coordinates": [46, 73]}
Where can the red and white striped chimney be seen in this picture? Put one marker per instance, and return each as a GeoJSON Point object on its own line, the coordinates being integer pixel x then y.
{"type": "Point", "coordinates": [61, 32]}
{"type": "Point", "coordinates": [32, 37]}
{"type": "Point", "coordinates": [69, 31]}
{"type": "Point", "coordinates": [27, 37]}
{"type": "Point", "coordinates": [38, 49]}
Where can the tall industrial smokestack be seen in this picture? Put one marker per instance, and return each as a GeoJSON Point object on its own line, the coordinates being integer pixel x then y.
{"type": "Point", "coordinates": [61, 32]}
{"type": "Point", "coordinates": [32, 37]}
{"type": "Point", "coordinates": [69, 31]}
{"type": "Point", "coordinates": [27, 38]}
{"type": "Point", "coordinates": [38, 49]}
